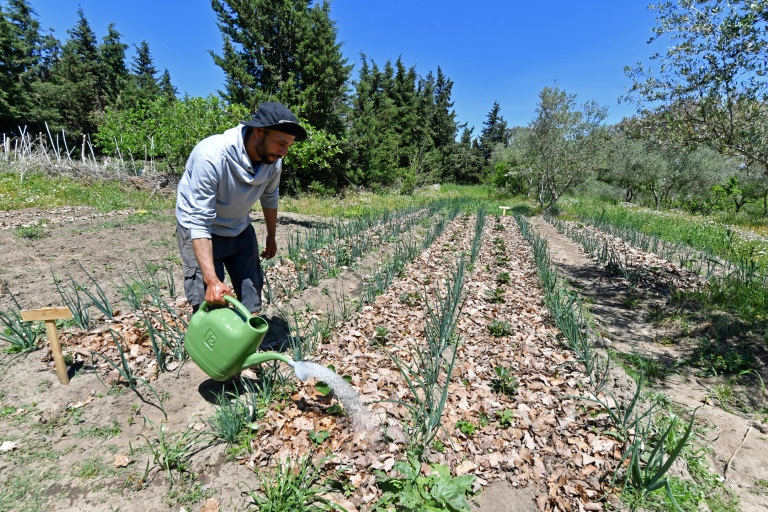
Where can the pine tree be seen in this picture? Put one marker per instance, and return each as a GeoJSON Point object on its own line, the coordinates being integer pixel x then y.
{"type": "Point", "coordinates": [167, 90]}
{"type": "Point", "coordinates": [494, 131]}
{"type": "Point", "coordinates": [113, 72]}
{"type": "Point", "coordinates": [283, 51]}
{"type": "Point", "coordinates": [77, 78]}
{"type": "Point", "coordinates": [26, 57]}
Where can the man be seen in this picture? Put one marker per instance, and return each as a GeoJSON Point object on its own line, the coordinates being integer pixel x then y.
{"type": "Point", "coordinates": [224, 176]}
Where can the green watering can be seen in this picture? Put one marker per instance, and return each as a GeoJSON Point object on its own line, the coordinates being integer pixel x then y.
{"type": "Point", "coordinates": [224, 341]}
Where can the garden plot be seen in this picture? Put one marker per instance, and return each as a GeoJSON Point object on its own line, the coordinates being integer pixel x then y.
{"type": "Point", "coordinates": [516, 423]}
{"type": "Point", "coordinates": [507, 415]}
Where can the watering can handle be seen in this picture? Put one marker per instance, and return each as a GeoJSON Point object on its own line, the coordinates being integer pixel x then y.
{"type": "Point", "coordinates": [236, 303]}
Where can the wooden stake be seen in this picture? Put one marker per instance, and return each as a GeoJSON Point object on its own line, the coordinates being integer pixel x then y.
{"type": "Point", "coordinates": [50, 315]}
{"type": "Point", "coordinates": [504, 210]}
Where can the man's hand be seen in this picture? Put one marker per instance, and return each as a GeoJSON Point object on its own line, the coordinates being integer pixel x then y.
{"type": "Point", "coordinates": [215, 292]}
{"type": "Point", "coordinates": [215, 289]}
{"type": "Point", "coordinates": [270, 248]}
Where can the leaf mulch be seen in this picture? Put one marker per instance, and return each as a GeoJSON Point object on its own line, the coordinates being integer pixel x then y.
{"type": "Point", "coordinates": [553, 443]}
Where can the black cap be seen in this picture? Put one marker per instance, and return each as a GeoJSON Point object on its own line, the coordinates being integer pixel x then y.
{"type": "Point", "coordinates": [275, 116]}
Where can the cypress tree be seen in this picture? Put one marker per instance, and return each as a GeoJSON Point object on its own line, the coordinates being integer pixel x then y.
{"type": "Point", "coordinates": [362, 127]}
{"type": "Point", "coordinates": [323, 73]}
{"type": "Point", "coordinates": [145, 86]}
{"type": "Point", "coordinates": [443, 120]}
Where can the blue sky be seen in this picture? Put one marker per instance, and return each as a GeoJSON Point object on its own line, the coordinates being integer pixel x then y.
{"type": "Point", "coordinates": [504, 51]}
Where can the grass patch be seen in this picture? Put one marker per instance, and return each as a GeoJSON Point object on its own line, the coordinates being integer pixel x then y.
{"type": "Point", "coordinates": [100, 432]}
{"type": "Point", "coordinates": [353, 204]}
{"type": "Point", "coordinates": [43, 191]}
{"type": "Point", "coordinates": [640, 366]}
{"type": "Point", "coordinates": [25, 491]}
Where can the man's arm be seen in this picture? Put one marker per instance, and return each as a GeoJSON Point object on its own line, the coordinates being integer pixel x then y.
{"type": "Point", "coordinates": [215, 289]}
{"type": "Point", "coordinates": [270, 219]}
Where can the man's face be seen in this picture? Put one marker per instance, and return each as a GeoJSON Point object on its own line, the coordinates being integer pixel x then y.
{"type": "Point", "coordinates": [271, 145]}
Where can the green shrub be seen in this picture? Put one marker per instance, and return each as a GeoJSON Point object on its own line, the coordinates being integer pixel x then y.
{"type": "Point", "coordinates": [166, 130]}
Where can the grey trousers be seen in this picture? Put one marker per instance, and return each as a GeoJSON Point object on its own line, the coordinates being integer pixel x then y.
{"type": "Point", "coordinates": [238, 255]}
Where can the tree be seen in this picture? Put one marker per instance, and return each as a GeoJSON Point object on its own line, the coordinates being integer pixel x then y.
{"type": "Point", "coordinates": [513, 165]}
{"type": "Point", "coordinates": [283, 51]}
{"type": "Point", "coordinates": [26, 58]}
{"type": "Point", "coordinates": [371, 131]}
{"type": "Point", "coordinates": [77, 79]}
{"type": "Point", "coordinates": [709, 86]}
{"type": "Point", "coordinates": [159, 130]}
{"type": "Point", "coordinates": [494, 131]}
{"type": "Point", "coordinates": [443, 120]}
{"type": "Point", "coordinates": [144, 87]}
{"type": "Point", "coordinates": [323, 73]}
{"type": "Point", "coordinates": [114, 73]}
{"type": "Point", "coordinates": [463, 159]}
{"type": "Point", "coordinates": [561, 148]}
{"type": "Point", "coordinates": [167, 89]}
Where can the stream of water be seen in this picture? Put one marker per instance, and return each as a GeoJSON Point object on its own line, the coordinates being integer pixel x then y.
{"type": "Point", "coordinates": [360, 414]}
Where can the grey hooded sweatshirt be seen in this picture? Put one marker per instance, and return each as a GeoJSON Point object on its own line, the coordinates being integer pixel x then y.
{"type": "Point", "coordinates": [220, 185]}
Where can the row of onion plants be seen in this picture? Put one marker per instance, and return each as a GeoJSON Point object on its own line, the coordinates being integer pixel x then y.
{"type": "Point", "coordinates": [650, 450]}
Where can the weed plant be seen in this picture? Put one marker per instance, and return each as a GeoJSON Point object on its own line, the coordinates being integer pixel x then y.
{"type": "Point", "coordinates": [499, 328]}
{"type": "Point", "coordinates": [642, 367]}
{"type": "Point", "coordinates": [295, 485]}
{"type": "Point", "coordinates": [34, 231]}
{"type": "Point", "coordinates": [505, 418]}
{"type": "Point", "coordinates": [273, 387]}
{"type": "Point", "coordinates": [505, 382]}
{"type": "Point", "coordinates": [413, 492]}
{"type": "Point", "coordinates": [229, 418]}
{"type": "Point", "coordinates": [466, 427]}
{"type": "Point", "coordinates": [172, 452]}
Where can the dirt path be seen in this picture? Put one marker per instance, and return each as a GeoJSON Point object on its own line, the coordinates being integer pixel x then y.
{"type": "Point", "coordinates": [732, 438]}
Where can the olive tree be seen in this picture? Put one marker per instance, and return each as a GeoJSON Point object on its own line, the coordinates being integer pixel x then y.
{"type": "Point", "coordinates": [708, 86]}
{"type": "Point", "coordinates": [561, 148]}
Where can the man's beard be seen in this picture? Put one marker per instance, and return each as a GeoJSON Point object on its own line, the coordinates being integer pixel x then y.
{"type": "Point", "coordinates": [266, 158]}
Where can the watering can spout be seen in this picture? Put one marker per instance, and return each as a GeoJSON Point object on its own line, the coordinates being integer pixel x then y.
{"type": "Point", "coordinates": [261, 357]}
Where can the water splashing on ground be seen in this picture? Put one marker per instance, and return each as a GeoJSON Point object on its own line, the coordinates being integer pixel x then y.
{"type": "Point", "coordinates": [361, 416]}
